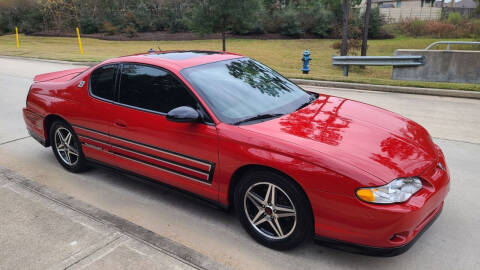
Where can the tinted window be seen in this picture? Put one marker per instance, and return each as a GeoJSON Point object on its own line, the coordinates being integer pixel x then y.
{"type": "Point", "coordinates": [240, 89]}
{"type": "Point", "coordinates": [103, 81]}
{"type": "Point", "coordinates": [153, 89]}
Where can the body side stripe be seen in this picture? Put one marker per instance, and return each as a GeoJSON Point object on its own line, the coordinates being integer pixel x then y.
{"type": "Point", "coordinates": [168, 152]}
{"type": "Point", "coordinates": [209, 175]}
{"type": "Point", "coordinates": [146, 163]}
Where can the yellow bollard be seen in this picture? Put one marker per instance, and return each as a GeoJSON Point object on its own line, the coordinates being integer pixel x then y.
{"type": "Point", "coordinates": [79, 41]}
{"type": "Point", "coordinates": [16, 35]}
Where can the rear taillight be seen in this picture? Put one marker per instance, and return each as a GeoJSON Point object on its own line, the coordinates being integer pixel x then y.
{"type": "Point", "coordinates": [28, 95]}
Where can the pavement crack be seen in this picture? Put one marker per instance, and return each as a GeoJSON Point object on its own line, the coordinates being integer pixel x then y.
{"type": "Point", "coordinates": [14, 140]}
{"type": "Point", "coordinates": [454, 140]}
{"type": "Point", "coordinates": [94, 251]}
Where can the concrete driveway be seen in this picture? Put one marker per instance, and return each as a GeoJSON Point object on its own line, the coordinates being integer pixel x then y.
{"type": "Point", "coordinates": [453, 242]}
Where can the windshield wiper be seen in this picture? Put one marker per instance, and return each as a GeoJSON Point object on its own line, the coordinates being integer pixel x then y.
{"type": "Point", "coordinates": [259, 117]}
{"type": "Point", "coordinates": [310, 100]}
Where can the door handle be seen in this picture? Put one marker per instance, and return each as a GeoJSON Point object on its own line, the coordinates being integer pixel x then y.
{"type": "Point", "coordinates": [120, 123]}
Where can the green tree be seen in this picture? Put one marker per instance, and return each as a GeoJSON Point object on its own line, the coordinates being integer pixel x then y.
{"type": "Point", "coordinates": [222, 16]}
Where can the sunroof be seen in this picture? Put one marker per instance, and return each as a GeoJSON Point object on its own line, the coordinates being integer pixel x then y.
{"type": "Point", "coordinates": [180, 55]}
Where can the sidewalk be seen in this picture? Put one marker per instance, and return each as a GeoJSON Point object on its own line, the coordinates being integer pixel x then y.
{"type": "Point", "coordinates": [42, 229]}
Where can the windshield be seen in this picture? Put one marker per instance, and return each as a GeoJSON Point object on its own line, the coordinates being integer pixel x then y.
{"type": "Point", "coordinates": [241, 89]}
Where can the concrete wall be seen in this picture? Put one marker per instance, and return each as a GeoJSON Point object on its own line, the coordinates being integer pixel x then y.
{"type": "Point", "coordinates": [441, 66]}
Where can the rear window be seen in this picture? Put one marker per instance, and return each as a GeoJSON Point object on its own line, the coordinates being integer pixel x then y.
{"type": "Point", "coordinates": [102, 82]}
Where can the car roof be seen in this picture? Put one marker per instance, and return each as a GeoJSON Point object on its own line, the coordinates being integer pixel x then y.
{"type": "Point", "coordinates": [176, 60]}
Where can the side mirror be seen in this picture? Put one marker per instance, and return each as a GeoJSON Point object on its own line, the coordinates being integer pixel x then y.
{"type": "Point", "coordinates": [183, 114]}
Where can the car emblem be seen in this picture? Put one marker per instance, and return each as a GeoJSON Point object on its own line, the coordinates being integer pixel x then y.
{"type": "Point", "coordinates": [81, 84]}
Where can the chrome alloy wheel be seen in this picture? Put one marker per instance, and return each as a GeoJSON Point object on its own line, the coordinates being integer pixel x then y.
{"type": "Point", "coordinates": [270, 210]}
{"type": "Point", "coordinates": [66, 146]}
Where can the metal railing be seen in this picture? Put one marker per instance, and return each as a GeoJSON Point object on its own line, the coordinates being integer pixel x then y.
{"type": "Point", "coordinates": [401, 60]}
{"type": "Point", "coordinates": [452, 42]}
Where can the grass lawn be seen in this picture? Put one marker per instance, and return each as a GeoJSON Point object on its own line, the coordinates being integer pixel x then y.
{"type": "Point", "coordinates": [282, 55]}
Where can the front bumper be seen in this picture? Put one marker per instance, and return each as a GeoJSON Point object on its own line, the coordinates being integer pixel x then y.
{"type": "Point", "coordinates": [348, 223]}
{"type": "Point", "coordinates": [377, 251]}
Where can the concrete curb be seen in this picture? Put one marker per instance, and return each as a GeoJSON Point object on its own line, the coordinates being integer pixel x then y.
{"type": "Point", "coordinates": [394, 89]}
{"type": "Point", "coordinates": [160, 243]}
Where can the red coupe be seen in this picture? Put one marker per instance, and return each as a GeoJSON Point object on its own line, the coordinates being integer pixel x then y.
{"type": "Point", "coordinates": [294, 164]}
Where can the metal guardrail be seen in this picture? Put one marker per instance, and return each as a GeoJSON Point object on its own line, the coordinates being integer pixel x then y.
{"type": "Point", "coordinates": [401, 60]}
{"type": "Point", "coordinates": [452, 42]}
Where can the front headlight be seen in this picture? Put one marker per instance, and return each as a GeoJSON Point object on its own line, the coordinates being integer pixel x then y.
{"type": "Point", "coordinates": [399, 190]}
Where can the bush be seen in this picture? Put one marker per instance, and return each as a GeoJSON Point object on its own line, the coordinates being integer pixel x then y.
{"type": "Point", "coordinates": [109, 29]}
{"type": "Point", "coordinates": [130, 30]}
{"type": "Point", "coordinates": [159, 23]}
{"type": "Point", "coordinates": [455, 18]}
{"type": "Point", "coordinates": [354, 46]}
{"type": "Point", "coordinates": [88, 25]}
{"type": "Point", "coordinates": [315, 18]}
{"type": "Point", "coordinates": [473, 27]}
{"type": "Point", "coordinates": [413, 27]}
{"type": "Point", "coordinates": [441, 30]}
{"type": "Point", "coordinates": [375, 29]}
{"type": "Point", "coordinates": [289, 25]}
{"type": "Point", "coordinates": [143, 17]}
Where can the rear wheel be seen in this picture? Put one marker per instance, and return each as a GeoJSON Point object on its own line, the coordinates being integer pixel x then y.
{"type": "Point", "coordinates": [66, 147]}
{"type": "Point", "coordinates": [273, 210]}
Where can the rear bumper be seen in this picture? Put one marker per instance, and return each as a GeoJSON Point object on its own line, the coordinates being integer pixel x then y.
{"type": "Point", "coordinates": [34, 123]}
{"type": "Point", "coordinates": [377, 251]}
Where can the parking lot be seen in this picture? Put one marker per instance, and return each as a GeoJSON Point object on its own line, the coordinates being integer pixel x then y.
{"type": "Point", "coordinates": [452, 242]}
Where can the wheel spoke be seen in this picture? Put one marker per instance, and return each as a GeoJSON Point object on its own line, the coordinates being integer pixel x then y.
{"type": "Point", "coordinates": [61, 148]}
{"type": "Point", "coordinates": [267, 195]}
{"type": "Point", "coordinates": [260, 221]}
{"type": "Point", "coordinates": [67, 157]}
{"type": "Point", "coordinates": [59, 132]}
{"type": "Point", "coordinates": [274, 228]}
{"type": "Point", "coordinates": [255, 199]}
{"type": "Point", "coordinates": [284, 209]}
{"type": "Point", "coordinates": [72, 150]}
{"type": "Point", "coordinates": [278, 227]}
{"type": "Point", "coordinates": [272, 201]}
{"type": "Point", "coordinates": [68, 138]}
{"type": "Point", "coordinates": [258, 215]}
{"type": "Point", "coordinates": [283, 215]}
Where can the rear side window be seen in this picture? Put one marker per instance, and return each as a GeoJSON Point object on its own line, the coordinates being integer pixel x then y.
{"type": "Point", "coordinates": [102, 82]}
{"type": "Point", "coordinates": [152, 89]}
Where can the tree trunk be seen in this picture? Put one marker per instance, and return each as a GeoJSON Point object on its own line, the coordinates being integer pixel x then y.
{"type": "Point", "coordinates": [223, 40]}
{"type": "Point", "coordinates": [365, 27]}
{"type": "Point", "coordinates": [224, 24]}
{"type": "Point", "coordinates": [346, 15]}
{"type": "Point", "coordinates": [442, 14]}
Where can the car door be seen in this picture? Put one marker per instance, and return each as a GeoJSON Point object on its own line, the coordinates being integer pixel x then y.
{"type": "Point", "coordinates": [145, 142]}
{"type": "Point", "coordinates": [94, 114]}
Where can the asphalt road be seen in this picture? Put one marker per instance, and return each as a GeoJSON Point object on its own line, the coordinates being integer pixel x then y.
{"type": "Point", "coordinates": [453, 242]}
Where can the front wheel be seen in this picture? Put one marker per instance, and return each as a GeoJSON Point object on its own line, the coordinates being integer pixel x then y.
{"type": "Point", "coordinates": [66, 147]}
{"type": "Point", "coordinates": [273, 210]}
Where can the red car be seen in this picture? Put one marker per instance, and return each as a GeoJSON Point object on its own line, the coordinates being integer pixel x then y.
{"type": "Point", "coordinates": [225, 127]}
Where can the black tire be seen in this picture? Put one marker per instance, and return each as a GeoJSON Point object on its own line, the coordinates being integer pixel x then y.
{"type": "Point", "coordinates": [299, 230]}
{"type": "Point", "coordinates": [80, 163]}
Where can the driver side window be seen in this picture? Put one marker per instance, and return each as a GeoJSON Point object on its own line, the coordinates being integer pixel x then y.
{"type": "Point", "coordinates": [152, 89]}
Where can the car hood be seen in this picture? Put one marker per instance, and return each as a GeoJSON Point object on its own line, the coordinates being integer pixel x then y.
{"type": "Point", "coordinates": [377, 141]}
